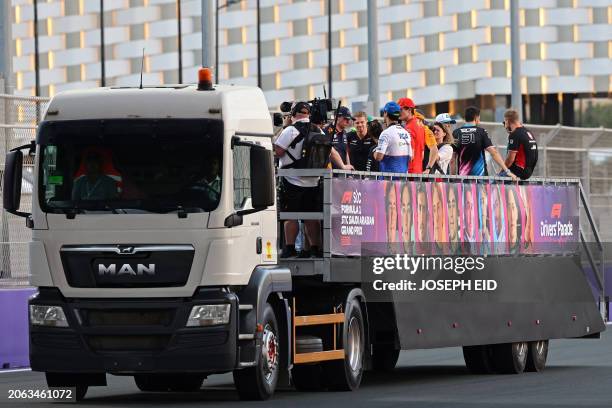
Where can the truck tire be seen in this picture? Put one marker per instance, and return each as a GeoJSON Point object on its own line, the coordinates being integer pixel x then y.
{"type": "Point", "coordinates": [510, 358]}
{"type": "Point", "coordinates": [536, 356]}
{"type": "Point", "coordinates": [168, 382]}
{"type": "Point", "coordinates": [478, 359]}
{"type": "Point", "coordinates": [346, 374]}
{"type": "Point", "coordinates": [384, 357]}
{"type": "Point", "coordinates": [259, 382]}
{"type": "Point", "coordinates": [61, 380]}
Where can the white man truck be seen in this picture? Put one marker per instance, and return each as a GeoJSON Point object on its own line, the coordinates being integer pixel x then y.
{"type": "Point", "coordinates": [155, 253]}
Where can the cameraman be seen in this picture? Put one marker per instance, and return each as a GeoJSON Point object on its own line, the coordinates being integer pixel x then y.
{"type": "Point", "coordinates": [339, 138]}
{"type": "Point", "coordinates": [297, 193]}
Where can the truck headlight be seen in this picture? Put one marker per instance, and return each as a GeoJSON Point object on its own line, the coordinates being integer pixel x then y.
{"type": "Point", "coordinates": [209, 315]}
{"type": "Point", "coordinates": [53, 316]}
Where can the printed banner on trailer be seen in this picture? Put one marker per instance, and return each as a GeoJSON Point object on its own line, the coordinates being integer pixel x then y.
{"type": "Point", "coordinates": [423, 217]}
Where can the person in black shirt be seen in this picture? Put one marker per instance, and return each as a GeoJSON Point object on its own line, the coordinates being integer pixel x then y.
{"type": "Point", "coordinates": [522, 147]}
{"type": "Point", "coordinates": [359, 142]}
{"type": "Point", "coordinates": [471, 142]}
{"type": "Point", "coordinates": [339, 134]}
{"type": "Point", "coordinates": [375, 128]}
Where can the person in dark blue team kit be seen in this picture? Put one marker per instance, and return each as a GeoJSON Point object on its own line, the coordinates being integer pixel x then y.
{"type": "Point", "coordinates": [339, 134]}
{"type": "Point", "coordinates": [471, 142]}
{"type": "Point", "coordinates": [393, 150]}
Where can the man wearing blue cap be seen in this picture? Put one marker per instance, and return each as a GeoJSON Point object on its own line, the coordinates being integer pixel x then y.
{"type": "Point", "coordinates": [393, 151]}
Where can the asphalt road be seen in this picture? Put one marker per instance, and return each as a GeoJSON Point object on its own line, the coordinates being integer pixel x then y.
{"type": "Point", "coordinates": [579, 373]}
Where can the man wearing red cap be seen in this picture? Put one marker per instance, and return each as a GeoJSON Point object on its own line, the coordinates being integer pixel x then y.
{"type": "Point", "coordinates": [417, 134]}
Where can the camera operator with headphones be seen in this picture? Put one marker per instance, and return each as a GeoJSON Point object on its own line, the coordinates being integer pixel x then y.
{"type": "Point", "coordinates": [302, 144]}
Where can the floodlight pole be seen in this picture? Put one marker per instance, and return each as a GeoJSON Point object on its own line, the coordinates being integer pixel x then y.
{"type": "Point", "coordinates": [373, 84]}
{"type": "Point", "coordinates": [515, 57]}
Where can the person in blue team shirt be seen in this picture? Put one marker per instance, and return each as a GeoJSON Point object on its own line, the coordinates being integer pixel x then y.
{"type": "Point", "coordinates": [393, 150]}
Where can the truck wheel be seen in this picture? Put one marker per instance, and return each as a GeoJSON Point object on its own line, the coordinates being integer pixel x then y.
{"type": "Point", "coordinates": [168, 382]}
{"type": "Point", "coordinates": [478, 359]}
{"type": "Point", "coordinates": [384, 358]}
{"type": "Point", "coordinates": [536, 356]}
{"type": "Point", "coordinates": [60, 380]}
{"type": "Point", "coordinates": [345, 375]}
{"type": "Point", "coordinates": [259, 382]}
{"type": "Point", "coordinates": [510, 358]}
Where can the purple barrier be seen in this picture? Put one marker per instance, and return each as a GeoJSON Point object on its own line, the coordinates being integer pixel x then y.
{"type": "Point", "coordinates": [14, 344]}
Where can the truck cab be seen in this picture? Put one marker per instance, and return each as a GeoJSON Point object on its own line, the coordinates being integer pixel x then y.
{"type": "Point", "coordinates": [154, 237]}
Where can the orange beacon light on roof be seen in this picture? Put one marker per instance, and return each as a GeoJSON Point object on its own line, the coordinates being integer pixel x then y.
{"type": "Point", "coordinates": [205, 79]}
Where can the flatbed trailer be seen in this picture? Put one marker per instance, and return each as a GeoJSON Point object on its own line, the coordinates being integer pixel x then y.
{"type": "Point", "coordinates": [547, 292]}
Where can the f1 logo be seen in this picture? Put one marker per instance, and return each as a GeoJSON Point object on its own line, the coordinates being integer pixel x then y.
{"type": "Point", "coordinates": [346, 197]}
{"type": "Point", "coordinates": [555, 211]}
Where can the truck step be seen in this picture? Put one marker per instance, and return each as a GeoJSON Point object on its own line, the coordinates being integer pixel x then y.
{"type": "Point", "coordinates": [246, 337]}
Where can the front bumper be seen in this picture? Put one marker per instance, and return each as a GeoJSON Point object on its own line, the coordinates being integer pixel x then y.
{"type": "Point", "coordinates": [125, 336]}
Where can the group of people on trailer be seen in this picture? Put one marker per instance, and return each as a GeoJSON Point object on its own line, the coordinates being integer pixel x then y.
{"type": "Point", "coordinates": [403, 143]}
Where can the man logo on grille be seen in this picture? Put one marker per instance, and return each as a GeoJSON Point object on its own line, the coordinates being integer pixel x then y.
{"type": "Point", "coordinates": [126, 269]}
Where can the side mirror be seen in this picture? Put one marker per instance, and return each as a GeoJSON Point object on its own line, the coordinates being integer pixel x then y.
{"type": "Point", "coordinates": [233, 220]}
{"type": "Point", "coordinates": [11, 194]}
{"type": "Point", "coordinates": [262, 178]}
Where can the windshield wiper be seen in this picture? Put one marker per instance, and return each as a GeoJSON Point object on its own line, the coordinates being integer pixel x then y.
{"type": "Point", "coordinates": [108, 207]}
{"type": "Point", "coordinates": [91, 206]}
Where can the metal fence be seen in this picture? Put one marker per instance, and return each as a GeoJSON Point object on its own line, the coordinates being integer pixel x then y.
{"type": "Point", "coordinates": [573, 153]}
{"type": "Point", "coordinates": [565, 152]}
{"type": "Point", "coordinates": [18, 119]}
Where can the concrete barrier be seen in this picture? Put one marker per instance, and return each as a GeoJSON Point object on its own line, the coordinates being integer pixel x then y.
{"type": "Point", "coordinates": [14, 344]}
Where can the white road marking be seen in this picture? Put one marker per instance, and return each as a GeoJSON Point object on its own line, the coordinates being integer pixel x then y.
{"type": "Point", "coordinates": [16, 370]}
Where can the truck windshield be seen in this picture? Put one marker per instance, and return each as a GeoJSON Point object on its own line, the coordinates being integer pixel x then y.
{"type": "Point", "coordinates": [130, 165]}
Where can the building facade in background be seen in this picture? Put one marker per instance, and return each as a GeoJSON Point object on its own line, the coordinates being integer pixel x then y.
{"type": "Point", "coordinates": [442, 53]}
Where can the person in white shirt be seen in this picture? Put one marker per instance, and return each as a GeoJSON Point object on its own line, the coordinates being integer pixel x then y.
{"type": "Point", "coordinates": [444, 139]}
{"type": "Point", "coordinates": [394, 150]}
{"type": "Point", "coordinates": [298, 193]}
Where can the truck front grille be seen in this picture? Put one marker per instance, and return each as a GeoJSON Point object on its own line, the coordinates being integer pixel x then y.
{"type": "Point", "coordinates": [121, 317]}
{"type": "Point", "coordinates": [56, 340]}
{"type": "Point", "coordinates": [128, 343]}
